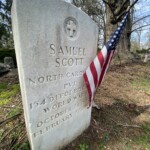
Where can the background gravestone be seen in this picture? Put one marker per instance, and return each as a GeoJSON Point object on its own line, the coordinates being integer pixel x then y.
{"type": "Point", "coordinates": [3, 69]}
{"type": "Point", "coordinates": [8, 61]}
{"type": "Point", "coordinates": [54, 42]}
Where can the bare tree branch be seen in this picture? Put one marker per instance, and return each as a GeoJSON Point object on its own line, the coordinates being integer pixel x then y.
{"type": "Point", "coordinates": [120, 10]}
{"type": "Point", "coordinates": [140, 27]}
{"type": "Point", "coordinates": [128, 9]}
{"type": "Point", "coordinates": [133, 4]}
{"type": "Point", "coordinates": [140, 19]}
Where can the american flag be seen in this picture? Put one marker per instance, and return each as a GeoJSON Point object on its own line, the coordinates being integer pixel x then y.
{"type": "Point", "coordinates": [95, 73]}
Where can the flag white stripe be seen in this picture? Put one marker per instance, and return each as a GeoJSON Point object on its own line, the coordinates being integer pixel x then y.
{"type": "Point", "coordinates": [111, 54]}
{"type": "Point", "coordinates": [104, 52]}
{"type": "Point", "coordinates": [98, 67]}
{"type": "Point", "coordinates": [91, 80]}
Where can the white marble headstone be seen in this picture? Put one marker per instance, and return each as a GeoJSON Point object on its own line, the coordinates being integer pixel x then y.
{"type": "Point", "coordinates": [54, 42]}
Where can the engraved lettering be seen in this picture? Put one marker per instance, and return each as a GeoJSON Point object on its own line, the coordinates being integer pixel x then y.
{"type": "Point", "coordinates": [68, 62]}
{"type": "Point", "coordinates": [66, 50]}
{"type": "Point", "coordinates": [57, 62]}
{"type": "Point", "coordinates": [61, 51]}
{"type": "Point", "coordinates": [64, 62]}
{"type": "Point", "coordinates": [37, 104]}
{"type": "Point", "coordinates": [52, 49]}
{"type": "Point", "coordinates": [31, 81]}
{"type": "Point", "coordinates": [41, 79]}
{"type": "Point", "coordinates": [70, 84]}
{"type": "Point", "coordinates": [57, 105]}
{"type": "Point", "coordinates": [45, 79]}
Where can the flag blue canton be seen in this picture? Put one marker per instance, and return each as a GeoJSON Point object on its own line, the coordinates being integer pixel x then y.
{"type": "Point", "coordinates": [114, 39]}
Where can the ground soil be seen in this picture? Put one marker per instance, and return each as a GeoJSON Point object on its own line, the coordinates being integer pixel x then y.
{"type": "Point", "coordinates": [124, 111]}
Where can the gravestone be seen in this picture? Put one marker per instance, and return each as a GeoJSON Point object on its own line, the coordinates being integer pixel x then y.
{"type": "Point", "coordinates": [9, 62]}
{"type": "Point", "coordinates": [3, 69]}
{"type": "Point", "coordinates": [54, 42]}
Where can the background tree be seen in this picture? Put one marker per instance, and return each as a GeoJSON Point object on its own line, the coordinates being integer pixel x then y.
{"type": "Point", "coordinates": [115, 10]}
{"type": "Point", "coordinates": [5, 24]}
{"type": "Point", "coordinates": [96, 10]}
{"type": "Point", "coordinates": [107, 14]}
{"type": "Point", "coordinates": [141, 24]}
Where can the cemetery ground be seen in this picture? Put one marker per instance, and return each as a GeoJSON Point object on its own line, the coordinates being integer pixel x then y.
{"type": "Point", "coordinates": [122, 123]}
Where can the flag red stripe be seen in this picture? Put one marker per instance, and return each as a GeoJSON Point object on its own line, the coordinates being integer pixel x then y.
{"type": "Point", "coordinates": [94, 73]}
{"type": "Point", "coordinates": [113, 51]}
{"type": "Point", "coordinates": [104, 68]}
{"type": "Point", "coordinates": [100, 58]}
{"type": "Point", "coordinates": [88, 86]}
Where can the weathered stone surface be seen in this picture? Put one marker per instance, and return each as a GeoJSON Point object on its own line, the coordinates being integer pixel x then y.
{"type": "Point", "coordinates": [9, 62]}
{"type": "Point", "coordinates": [54, 42]}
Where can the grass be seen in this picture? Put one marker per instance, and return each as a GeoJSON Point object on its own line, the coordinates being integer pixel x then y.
{"type": "Point", "coordinates": [143, 141]}
{"type": "Point", "coordinates": [3, 86]}
{"type": "Point", "coordinates": [7, 92]}
{"type": "Point", "coordinates": [11, 133]}
{"type": "Point", "coordinates": [14, 112]}
{"type": "Point", "coordinates": [83, 146]}
{"type": "Point", "coordinates": [25, 146]}
{"type": "Point", "coordinates": [141, 84]}
{"type": "Point", "coordinates": [104, 140]}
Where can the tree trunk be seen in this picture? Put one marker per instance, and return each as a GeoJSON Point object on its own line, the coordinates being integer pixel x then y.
{"type": "Point", "coordinates": [111, 15]}
{"type": "Point", "coordinates": [109, 26]}
{"type": "Point", "coordinates": [124, 43]}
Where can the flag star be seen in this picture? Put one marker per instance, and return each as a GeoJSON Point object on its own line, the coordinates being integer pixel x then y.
{"type": "Point", "coordinates": [115, 36]}
{"type": "Point", "coordinates": [110, 44]}
{"type": "Point", "coordinates": [117, 32]}
{"type": "Point", "coordinates": [112, 40]}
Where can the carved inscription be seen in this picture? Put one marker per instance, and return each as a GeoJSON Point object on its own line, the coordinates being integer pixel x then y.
{"type": "Point", "coordinates": [51, 126]}
{"type": "Point", "coordinates": [55, 101]}
{"type": "Point", "coordinates": [69, 84]}
{"type": "Point", "coordinates": [53, 121]}
{"type": "Point", "coordinates": [68, 55]}
{"type": "Point", "coordinates": [59, 108]}
{"type": "Point", "coordinates": [53, 77]}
